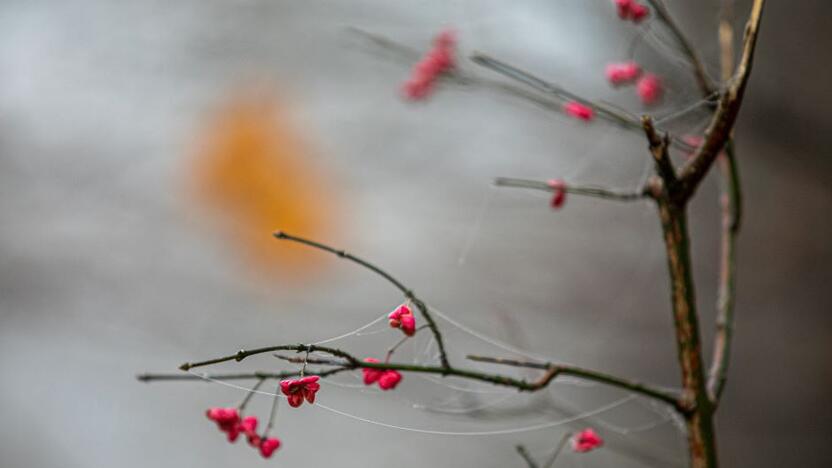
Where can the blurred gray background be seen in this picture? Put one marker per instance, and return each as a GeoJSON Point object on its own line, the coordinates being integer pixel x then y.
{"type": "Point", "coordinates": [107, 269]}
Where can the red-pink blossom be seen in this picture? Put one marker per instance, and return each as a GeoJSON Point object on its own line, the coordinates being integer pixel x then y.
{"type": "Point", "coordinates": [268, 446]}
{"type": "Point", "coordinates": [387, 378]}
{"type": "Point", "coordinates": [631, 10]}
{"type": "Point", "coordinates": [622, 73]}
{"type": "Point", "coordinates": [371, 376]}
{"type": "Point", "coordinates": [248, 426]}
{"type": "Point", "coordinates": [638, 12]}
{"type": "Point", "coordinates": [227, 419]}
{"type": "Point", "coordinates": [403, 318]}
{"type": "Point", "coordinates": [586, 440]}
{"type": "Point", "coordinates": [578, 111]}
{"type": "Point", "coordinates": [298, 390]}
{"type": "Point", "coordinates": [559, 192]}
{"type": "Point", "coordinates": [649, 88]}
{"type": "Point", "coordinates": [436, 61]}
{"type": "Point", "coordinates": [623, 7]}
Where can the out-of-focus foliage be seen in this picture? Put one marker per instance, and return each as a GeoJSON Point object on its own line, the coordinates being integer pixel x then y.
{"type": "Point", "coordinates": [253, 174]}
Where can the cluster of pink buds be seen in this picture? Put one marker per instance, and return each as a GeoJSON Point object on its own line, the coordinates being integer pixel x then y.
{"type": "Point", "coordinates": [439, 59]}
{"type": "Point", "coordinates": [558, 187]}
{"type": "Point", "coordinates": [648, 86]}
{"type": "Point", "coordinates": [586, 440]}
{"type": "Point", "coordinates": [631, 10]}
{"type": "Point", "coordinates": [387, 379]}
{"type": "Point", "coordinates": [298, 390]}
{"type": "Point", "coordinates": [579, 111]}
{"type": "Point", "coordinates": [228, 420]}
{"type": "Point", "coordinates": [403, 318]}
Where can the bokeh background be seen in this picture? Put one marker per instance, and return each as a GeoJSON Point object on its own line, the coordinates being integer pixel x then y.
{"type": "Point", "coordinates": [148, 149]}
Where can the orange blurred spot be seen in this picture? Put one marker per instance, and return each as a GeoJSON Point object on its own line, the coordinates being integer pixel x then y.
{"type": "Point", "coordinates": [253, 174]}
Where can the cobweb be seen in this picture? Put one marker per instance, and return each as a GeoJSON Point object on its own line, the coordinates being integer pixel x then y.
{"type": "Point", "coordinates": [462, 408]}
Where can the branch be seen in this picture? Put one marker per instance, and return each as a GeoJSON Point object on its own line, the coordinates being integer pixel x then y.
{"type": "Point", "coordinates": [722, 123]}
{"type": "Point", "coordinates": [458, 75]}
{"type": "Point", "coordinates": [618, 116]}
{"type": "Point", "coordinates": [731, 219]}
{"type": "Point", "coordinates": [310, 360]}
{"type": "Point", "coordinates": [527, 456]}
{"type": "Point", "coordinates": [562, 369]}
{"type": "Point", "coordinates": [550, 371]}
{"type": "Point", "coordinates": [596, 192]}
{"type": "Point", "coordinates": [408, 293]}
{"type": "Point", "coordinates": [731, 201]}
{"type": "Point", "coordinates": [558, 450]}
{"type": "Point", "coordinates": [259, 375]}
{"type": "Point", "coordinates": [242, 354]}
{"type": "Point", "coordinates": [699, 72]}
{"type": "Point", "coordinates": [659, 149]}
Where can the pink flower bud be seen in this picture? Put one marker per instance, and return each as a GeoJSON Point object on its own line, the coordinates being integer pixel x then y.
{"type": "Point", "coordinates": [436, 61]}
{"type": "Point", "coordinates": [268, 446]}
{"type": "Point", "coordinates": [248, 426]}
{"type": "Point", "coordinates": [408, 325]}
{"type": "Point", "coordinates": [578, 111]}
{"type": "Point", "coordinates": [622, 73]}
{"type": "Point", "coordinates": [638, 12]}
{"type": "Point", "coordinates": [631, 10]}
{"type": "Point", "coordinates": [371, 376]}
{"type": "Point", "coordinates": [559, 192]}
{"type": "Point", "coordinates": [403, 318]}
{"type": "Point", "coordinates": [232, 433]}
{"type": "Point", "coordinates": [623, 7]}
{"type": "Point", "coordinates": [586, 440]}
{"type": "Point", "coordinates": [298, 390]}
{"type": "Point", "coordinates": [415, 89]}
{"type": "Point", "coordinates": [389, 379]}
{"type": "Point", "coordinates": [649, 89]}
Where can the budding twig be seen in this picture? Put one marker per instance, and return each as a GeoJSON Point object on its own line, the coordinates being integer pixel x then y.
{"type": "Point", "coordinates": [703, 80]}
{"type": "Point", "coordinates": [619, 116]}
{"type": "Point", "coordinates": [408, 293]}
{"type": "Point", "coordinates": [589, 191]}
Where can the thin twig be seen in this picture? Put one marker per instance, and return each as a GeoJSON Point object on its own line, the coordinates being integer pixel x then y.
{"type": "Point", "coordinates": [563, 440]}
{"type": "Point", "coordinates": [400, 342]}
{"type": "Point", "coordinates": [702, 78]}
{"type": "Point", "coordinates": [605, 110]}
{"type": "Point", "coordinates": [242, 354]}
{"type": "Point", "coordinates": [586, 374]}
{"type": "Point", "coordinates": [659, 149]}
{"type": "Point", "coordinates": [408, 293]}
{"type": "Point", "coordinates": [250, 394]}
{"type": "Point", "coordinates": [312, 360]}
{"type": "Point", "coordinates": [731, 219]}
{"type": "Point", "coordinates": [207, 377]}
{"type": "Point", "coordinates": [527, 456]}
{"type": "Point", "coordinates": [722, 123]}
{"type": "Point", "coordinates": [731, 201]}
{"type": "Point", "coordinates": [589, 191]}
{"type": "Point", "coordinates": [272, 414]}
